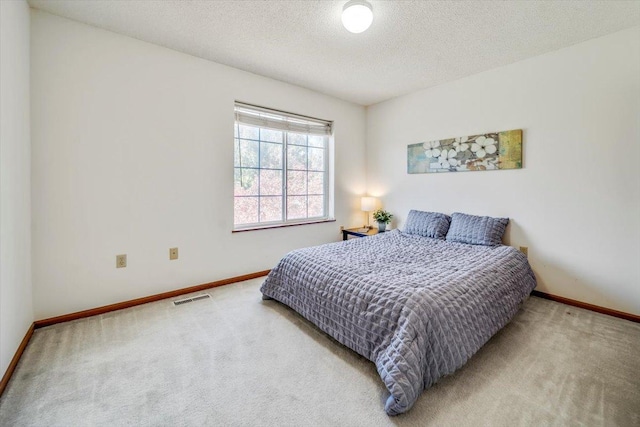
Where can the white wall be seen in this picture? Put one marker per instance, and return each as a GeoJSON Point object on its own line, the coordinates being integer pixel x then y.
{"type": "Point", "coordinates": [16, 310]}
{"type": "Point", "coordinates": [133, 153]}
{"type": "Point", "coordinates": [576, 203]}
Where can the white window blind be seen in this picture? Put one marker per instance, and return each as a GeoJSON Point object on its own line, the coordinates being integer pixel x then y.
{"type": "Point", "coordinates": [271, 119]}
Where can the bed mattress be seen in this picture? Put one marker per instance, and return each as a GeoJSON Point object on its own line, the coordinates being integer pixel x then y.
{"type": "Point", "coordinates": [417, 307]}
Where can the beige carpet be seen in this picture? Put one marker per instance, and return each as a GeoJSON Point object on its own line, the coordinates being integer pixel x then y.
{"type": "Point", "coordinates": [237, 360]}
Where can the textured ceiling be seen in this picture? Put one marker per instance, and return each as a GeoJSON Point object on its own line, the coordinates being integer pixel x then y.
{"type": "Point", "coordinates": [411, 45]}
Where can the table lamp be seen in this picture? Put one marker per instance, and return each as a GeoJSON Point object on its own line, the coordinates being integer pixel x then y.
{"type": "Point", "coordinates": [368, 204]}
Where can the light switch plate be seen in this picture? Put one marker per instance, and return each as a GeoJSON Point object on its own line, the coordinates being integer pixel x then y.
{"type": "Point", "coordinates": [173, 253]}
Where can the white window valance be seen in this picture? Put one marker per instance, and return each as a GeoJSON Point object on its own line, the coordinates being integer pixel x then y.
{"type": "Point", "coordinates": [273, 119]}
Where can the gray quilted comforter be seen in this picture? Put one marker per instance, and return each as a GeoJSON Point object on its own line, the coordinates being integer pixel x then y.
{"type": "Point", "coordinates": [417, 307]}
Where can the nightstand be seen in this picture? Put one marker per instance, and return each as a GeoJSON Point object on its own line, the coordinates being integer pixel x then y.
{"type": "Point", "coordinates": [358, 232]}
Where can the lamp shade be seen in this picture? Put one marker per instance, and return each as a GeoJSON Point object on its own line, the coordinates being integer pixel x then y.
{"type": "Point", "coordinates": [368, 204]}
{"type": "Point", "coordinates": [357, 16]}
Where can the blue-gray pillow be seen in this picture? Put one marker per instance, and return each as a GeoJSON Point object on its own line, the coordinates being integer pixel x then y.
{"type": "Point", "coordinates": [427, 224]}
{"type": "Point", "coordinates": [476, 230]}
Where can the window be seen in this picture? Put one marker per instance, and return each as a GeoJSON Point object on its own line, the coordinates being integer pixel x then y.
{"type": "Point", "coordinates": [281, 168]}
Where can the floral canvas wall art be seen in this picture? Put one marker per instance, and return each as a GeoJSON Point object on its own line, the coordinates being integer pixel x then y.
{"type": "Point", "coordinates": [489, 151]}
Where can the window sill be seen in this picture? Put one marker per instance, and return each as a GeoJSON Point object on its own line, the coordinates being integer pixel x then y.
{"type": "Point", "coordinates": [267, 227]}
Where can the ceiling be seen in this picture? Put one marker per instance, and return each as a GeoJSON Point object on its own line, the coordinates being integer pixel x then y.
{"type": "Point", "coordinates": [411, 45]}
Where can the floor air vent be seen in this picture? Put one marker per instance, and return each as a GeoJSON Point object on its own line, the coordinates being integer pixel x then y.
{"type": "Point", "coordinates": [191, 299]}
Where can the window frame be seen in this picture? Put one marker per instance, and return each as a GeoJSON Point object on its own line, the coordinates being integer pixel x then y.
{"type": "Point", "coordinates": [327, 176]}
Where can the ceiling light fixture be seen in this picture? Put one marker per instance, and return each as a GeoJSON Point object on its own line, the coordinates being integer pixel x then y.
{"type": "Point", "coordinates": [357, 16]}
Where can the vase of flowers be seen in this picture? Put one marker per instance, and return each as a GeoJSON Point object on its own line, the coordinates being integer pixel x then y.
{"type": "Point", "coordinates": [383, 218]}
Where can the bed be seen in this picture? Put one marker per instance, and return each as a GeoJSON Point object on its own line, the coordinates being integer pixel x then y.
{"type": "Point", "coordinates": [417, 307]}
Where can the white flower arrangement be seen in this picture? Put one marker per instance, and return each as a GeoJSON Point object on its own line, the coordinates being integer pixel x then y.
{"type": "Point", "coordinates": [431, 149]}
{"type": "Point", "coordinates": [483, 146]}
{"type": "Point", "coordinates": [460, 144]}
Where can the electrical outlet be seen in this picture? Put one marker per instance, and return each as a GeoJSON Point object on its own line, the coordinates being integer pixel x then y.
{"type": "Point", "coordinates": [173, 253]}
{"type": "Point", "coordinates": [121, 261]}
{"type": "Point", "coordinates": [524, 250]}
